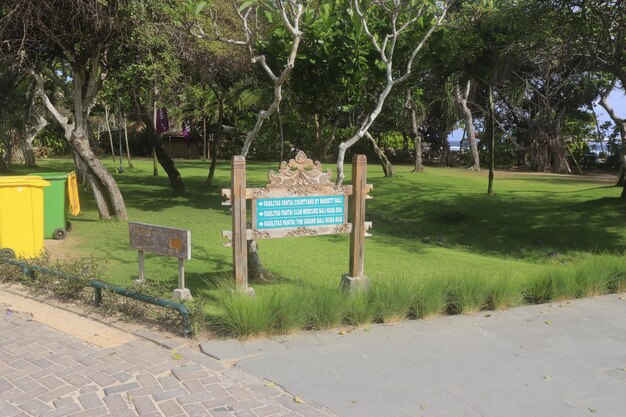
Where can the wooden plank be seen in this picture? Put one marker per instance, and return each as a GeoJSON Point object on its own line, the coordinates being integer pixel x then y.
{"type": "Point", "coordinates": [357, 212]}
{"type": "Point", "coordinates": [252, 234]}
{"type": "Point", "coordinates": [166, 241]}
{"type": "Point", "coordinates": [252, 193]}
{"type": "Point", "coordinates": [239, 238]}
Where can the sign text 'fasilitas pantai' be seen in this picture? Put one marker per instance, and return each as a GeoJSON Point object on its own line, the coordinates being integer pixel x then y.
{"type": "Point", "coordinates": [274, 213]}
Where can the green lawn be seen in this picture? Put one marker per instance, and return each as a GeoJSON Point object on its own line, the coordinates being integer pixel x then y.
{"type": "Point", "coordinates": [435, 226]}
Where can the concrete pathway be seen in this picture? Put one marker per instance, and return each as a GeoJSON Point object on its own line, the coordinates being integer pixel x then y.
{"type": "Point", "coordinates": [558, 360]}
{"type": "Point", "coordinates": [44, 372]}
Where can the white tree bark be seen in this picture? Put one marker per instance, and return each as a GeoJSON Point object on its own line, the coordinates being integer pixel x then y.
{"type": "Point", "coordinates": [461, 98]}
{"type": "Point", "coordinates": [291, 13]}
{"type": "Point", "coordinates": [620, 123]}
{"type": "Point", "coordinates": [386, 52]}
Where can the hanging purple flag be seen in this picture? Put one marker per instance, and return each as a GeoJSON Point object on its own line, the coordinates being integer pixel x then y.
{"type": "Point", "coordinates": [162, 122]}
{"type": "Point", "coordinates": [186, 129]}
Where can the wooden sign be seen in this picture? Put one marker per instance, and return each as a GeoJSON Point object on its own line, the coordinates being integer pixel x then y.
{"type": "Point", "coordinates": [166, 241]}
{"type": "Point", "coordinates": [299, 200]}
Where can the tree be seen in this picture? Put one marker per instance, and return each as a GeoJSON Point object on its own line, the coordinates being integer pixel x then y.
{"type": "Point", "coordinates": [71, 38]}
{"type": "Point", "coordinates": [285, 13]}
{"type": "Point", "coordinates": [401, 18]}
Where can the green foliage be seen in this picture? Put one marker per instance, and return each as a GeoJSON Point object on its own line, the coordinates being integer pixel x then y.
{"type": "Point", "coordinates": [392, 298]}
{"type": "Point", "coordinates": [244, 316]}
{"type": "Point", "coordinates": [431, 297]}
{"type": "Point", "coordinates": [358, 310]}
{"type": "Point", "coordinates": [468, 294]}
{"type": "Point", "coordinates": [327, 307]}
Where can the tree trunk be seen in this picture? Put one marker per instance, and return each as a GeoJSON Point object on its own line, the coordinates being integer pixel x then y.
{"type": "Point", "coordinates": [216, 141]}
{"type": "Point", "coordinates": [281, 133]}
{"type": "Point", "coordinates": [256, 271]}
{"type": "Point", "coordinates": [106, 117]}
{"type": "Point", "coordinates": [461, 101]}
{"type": "Point", "coordinates": [417, 138]}
{"type": "Point", "coordinates": [108, 196]}
{"type": "Point", "coordinates": [384, 161]}
{"type": "Point", "coordinates": [130, 163]}
{"type": "Point", "coordinates": [318, 136]}
{"type": "Point", "coordinates": [491, 136]}
{"type": "Point", "coordinates": [167, 163]}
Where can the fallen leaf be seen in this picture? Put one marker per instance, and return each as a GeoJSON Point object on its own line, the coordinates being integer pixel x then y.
{"type": "Point", "coordinates": [593, 410]}
{"type": "Point", "coordinates": [549, 322]}
{"type": "Point", "coordinates": [297, 400]}
{"type": "Point", "coordinates": [546, 377]}
{"type": "Point", "coordinates": [487, 315]}
{"type": "Point", "coordinates": [269, 384]}
{"type": "Point", "coordinates": [130, 397]}
{"type": "Point", "coordinates": [423, 406]}
{"type": "Point", "coordinates": [177, 356]}
{"type": "Point", "coordinates": [343, 332]}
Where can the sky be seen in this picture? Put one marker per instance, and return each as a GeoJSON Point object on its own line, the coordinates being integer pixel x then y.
{"type": "Point", "coordinates": [617, 99]}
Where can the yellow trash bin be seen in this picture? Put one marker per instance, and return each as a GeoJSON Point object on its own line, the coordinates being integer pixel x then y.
{"type": "Point", "coordinates": [21, 216]}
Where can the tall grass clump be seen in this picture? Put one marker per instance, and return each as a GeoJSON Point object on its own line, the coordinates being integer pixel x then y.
{"type": "Point", "coordinates": [358, 310]}
{"type": "Point", "coordinates": [242, 315]}
{"type": "Point", "coordinates": [326, 307]}
{"type": "Point", "coordinates": [290, 309]}
{"type": "Point", "coordinates": [468, 294]}
{"type": "Point", "coordinates": [431, 297]}
{"type": "Point", "coordinates": [392, 298]}
{"type": "Point", "coordinates": [601, 274]}
{"type": "Point", "coordinates": [505, 292]}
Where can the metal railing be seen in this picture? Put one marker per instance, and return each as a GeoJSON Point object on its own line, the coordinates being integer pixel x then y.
{"type": "Point", "coordinates": [98, 286]}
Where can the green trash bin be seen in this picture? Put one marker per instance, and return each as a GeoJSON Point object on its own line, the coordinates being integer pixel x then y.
{"type": "Point", "coordinates": [55, 203]}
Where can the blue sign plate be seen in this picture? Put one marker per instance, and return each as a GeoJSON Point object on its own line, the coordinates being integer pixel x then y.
{"type": "Point", "coordinates": [309, 211]}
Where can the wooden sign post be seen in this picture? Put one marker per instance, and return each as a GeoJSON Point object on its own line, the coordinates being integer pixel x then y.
{"type": "Point", "coordinates": [355, 280]}
{"type": "Point", "coordinates": [300, 200]}
{"type": "Point", "coordinates": [165, 241]}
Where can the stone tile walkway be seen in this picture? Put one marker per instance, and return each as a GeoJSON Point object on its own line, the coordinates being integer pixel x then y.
{"type": "Point", "coordinates": [44, 372]}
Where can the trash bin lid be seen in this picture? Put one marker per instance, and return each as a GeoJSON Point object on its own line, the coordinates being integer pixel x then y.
{"type": "Point", "coordinates": [23, 180]}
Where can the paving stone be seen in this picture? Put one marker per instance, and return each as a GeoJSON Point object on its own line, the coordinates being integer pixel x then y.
{"type": "Point", "coordinates": [49, 381]}
{"type": "Point", "coordinates": [169, 382]}
{"type": "Point", "coordinates": [76, 379]}
{"type": "Point", "coordinates": [115, 403]}
{"type": "Point", "coordinates": [35, 407]}
{"type": "Point", "coordinates": [268, 411]}
{"type": "Point", "coordinates": [195, 410]}
{"type": "Point", "coordinates": [90, 400]}
{"type": "Point", "coordinates": [57, 393]}
{"type": "Point", "coordinates": [194, 398]}
{"type": "Point", "coordinates": [122, 376]}
{"type": "Point", "coordinates": [166, 395]}
{"type": "Point", "coordinates": [144, 405]}
{"type": "Point", "coordinates": [96, 412]}
{"type": "Point", "coordinates": [88, 389]}
{"type": "Point", "coordinates": [170, 408]}
{"type": "Point", "coordinates": [63, 402]}
{"type": "Point", "coordinates": [63, 411]}
{"type": "Point", "coordinates": [146, 380]}
{"type": "Point", "coordinates": [116, 389]}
